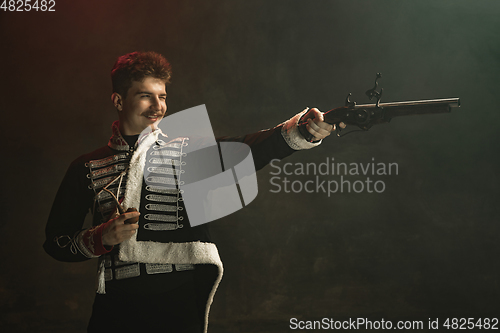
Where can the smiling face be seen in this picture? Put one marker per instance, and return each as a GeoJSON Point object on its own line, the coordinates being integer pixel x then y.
{"type": "Point", "coordinates": [145, 105]}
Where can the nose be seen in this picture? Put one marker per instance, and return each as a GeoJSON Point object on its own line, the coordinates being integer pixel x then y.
{"type": "Point", "coordinates": [156, 103]}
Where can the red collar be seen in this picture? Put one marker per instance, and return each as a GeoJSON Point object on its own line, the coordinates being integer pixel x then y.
{"type": "Point", "coordinates": [117, 142]}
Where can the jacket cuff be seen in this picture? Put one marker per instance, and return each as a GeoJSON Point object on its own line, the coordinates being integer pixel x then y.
{"type": "Point", "coordinates": [90, 244]}
{"type": "Point", "coordinates": [292, 136]}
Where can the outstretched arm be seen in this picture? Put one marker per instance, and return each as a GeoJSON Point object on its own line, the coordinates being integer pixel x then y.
{"type": "Point", "coordinates": [284, 139]}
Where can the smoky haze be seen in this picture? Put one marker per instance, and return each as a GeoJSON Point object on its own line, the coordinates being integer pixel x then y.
{"type": "Point", "coordinates": [425, 247]}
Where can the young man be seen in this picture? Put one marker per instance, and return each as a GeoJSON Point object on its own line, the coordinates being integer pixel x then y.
{"type": "Point", "coordinates": [158, 274]}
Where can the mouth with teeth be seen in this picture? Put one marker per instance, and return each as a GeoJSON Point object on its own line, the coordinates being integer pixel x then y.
{"type": "Point", "coordinates": [154, 117]}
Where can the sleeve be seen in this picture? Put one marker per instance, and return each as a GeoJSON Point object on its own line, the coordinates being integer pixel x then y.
{"type": "Point", "coordinates": [293, 136]}
{"type": "Point", "coordinates": [65, 239]}
{"type": "Point", "coordinates": [276, 143]}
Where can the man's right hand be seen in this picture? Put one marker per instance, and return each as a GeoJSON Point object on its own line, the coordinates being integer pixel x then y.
{"type": "Point", "coordinates": [116, 230]}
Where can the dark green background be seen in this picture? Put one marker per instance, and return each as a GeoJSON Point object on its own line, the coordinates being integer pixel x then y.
{"type": "Point", "coordinates": [426, 247]}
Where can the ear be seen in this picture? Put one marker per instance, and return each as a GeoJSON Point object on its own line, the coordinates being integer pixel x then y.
{"type": "Point", "coordinates": [117, 100]}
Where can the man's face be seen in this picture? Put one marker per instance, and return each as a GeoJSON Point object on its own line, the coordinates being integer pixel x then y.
{"type": "Point", "coordinates": [145, 105]}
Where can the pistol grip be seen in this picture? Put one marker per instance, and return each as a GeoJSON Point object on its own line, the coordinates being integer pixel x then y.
{"type": "Point", "coordinates": [133, 219]}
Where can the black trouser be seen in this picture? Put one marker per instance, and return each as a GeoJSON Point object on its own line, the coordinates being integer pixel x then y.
{"type": "Point", "coordinates": [173, 311]}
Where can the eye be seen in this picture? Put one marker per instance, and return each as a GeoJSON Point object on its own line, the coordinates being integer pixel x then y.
{"type": "Point", "coordinates": [146, 96]}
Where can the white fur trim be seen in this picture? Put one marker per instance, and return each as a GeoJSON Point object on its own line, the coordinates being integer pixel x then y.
{"type": "Point", "coordinates": [136, 172]}
{"type": "Point", "coordinates": [292, 136]}
{"type": "Point", "coordinates": [156, 252]}
{"type": "Point", "coordinates": [175, 253]}
{"type": "Point", "coordinates": [170, 253]}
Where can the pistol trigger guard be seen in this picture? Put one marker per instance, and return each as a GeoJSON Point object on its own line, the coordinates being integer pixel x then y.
{"type": "Point", "coordinates": [338, 129]}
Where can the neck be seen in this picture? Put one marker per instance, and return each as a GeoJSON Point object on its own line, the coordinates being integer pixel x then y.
{"type": "Point", "coordinates": [126, 130]}
{"type": "Point", "coordinates": [131, 139]}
